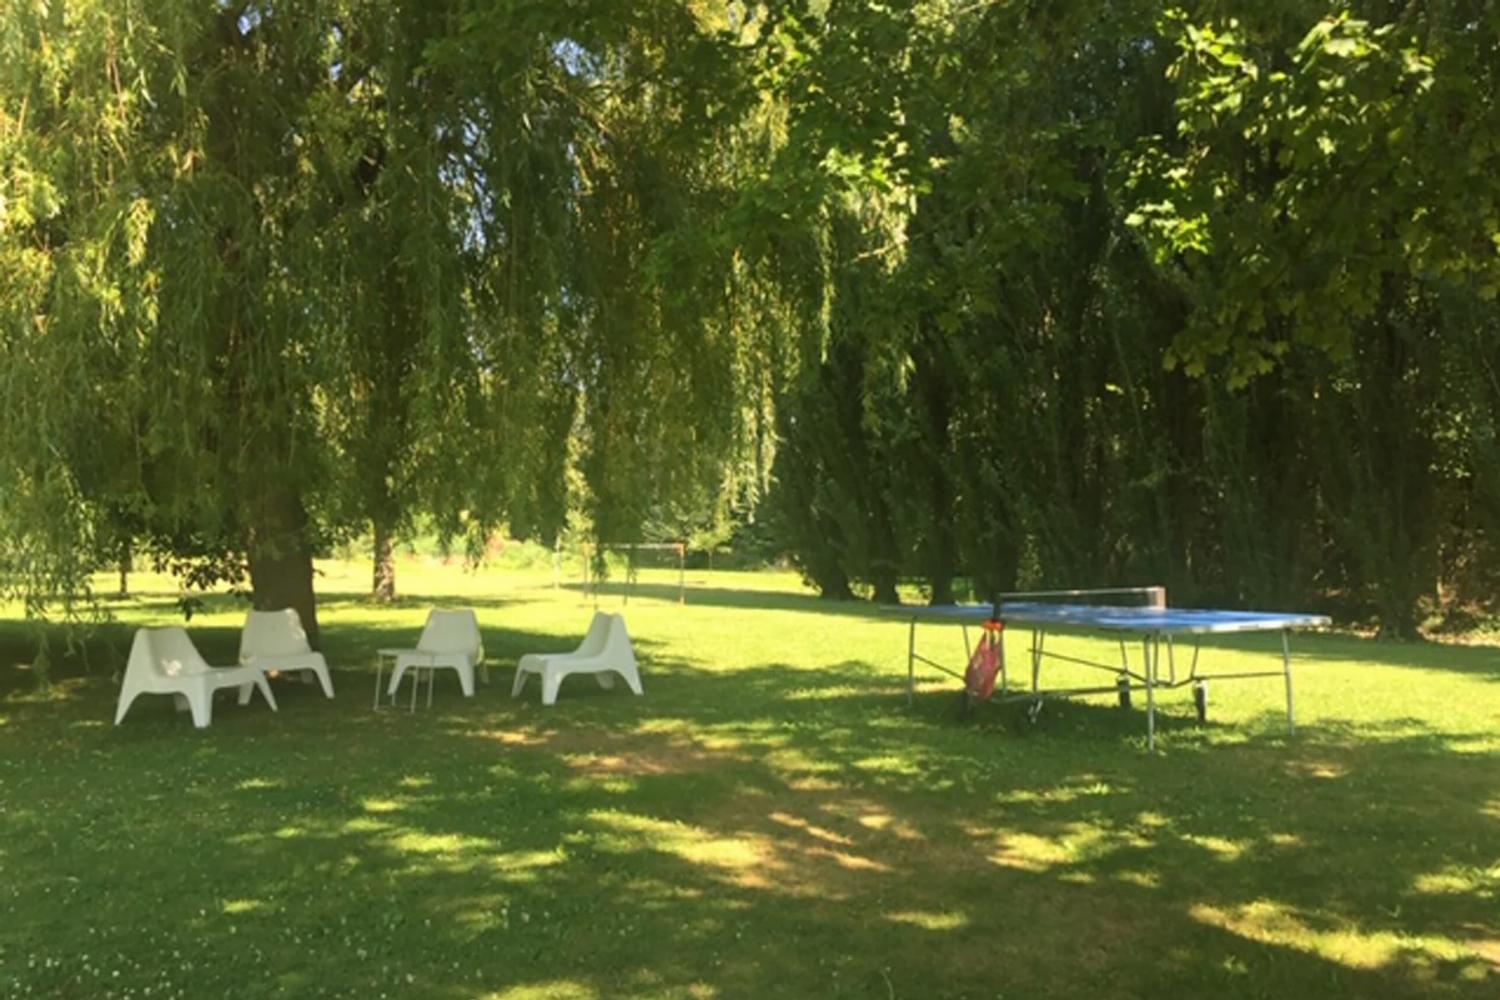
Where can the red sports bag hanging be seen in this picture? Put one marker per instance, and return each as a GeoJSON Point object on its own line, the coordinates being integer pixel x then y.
{"type": "Point", "coordinates": [986, 663]}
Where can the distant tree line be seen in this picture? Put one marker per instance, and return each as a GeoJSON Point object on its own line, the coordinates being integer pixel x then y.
{"type": "Point", "coordinates": [1120, 294]}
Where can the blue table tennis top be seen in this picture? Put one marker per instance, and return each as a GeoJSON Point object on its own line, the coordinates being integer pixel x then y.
{"type": "Point", "coordinates": [1121, 619]}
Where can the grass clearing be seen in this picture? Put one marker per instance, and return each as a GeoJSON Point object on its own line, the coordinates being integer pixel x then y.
{"type": "Point", "coordinates": [769, 820]}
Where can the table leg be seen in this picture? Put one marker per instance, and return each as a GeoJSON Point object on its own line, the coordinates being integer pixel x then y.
{"type": "Point", "coordinates": [379, 666]}
{"type": "Point", "coordinates": [911, 664]}
{"type": "Point", "coordinates": [1038, 647]}
{"type": "Point", "coordinates": [1150, 664]}
{"type": "Point", "coordinates": [1286, 668]}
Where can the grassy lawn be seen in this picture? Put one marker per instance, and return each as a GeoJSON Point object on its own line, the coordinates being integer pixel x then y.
{"type": "Point", "coordinates": [770, 820]}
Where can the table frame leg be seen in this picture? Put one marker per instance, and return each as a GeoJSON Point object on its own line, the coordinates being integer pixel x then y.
{"type": "Point", "coordinates": [1286, 668]}
{"type": "Point", "coordinates": [1151, 656]}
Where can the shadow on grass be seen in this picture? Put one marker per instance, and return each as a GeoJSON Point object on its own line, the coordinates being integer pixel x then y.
{"type": "Point", "coordinates": [1482, 661]}
{"type": "Point", "coordinates": [776, 830]}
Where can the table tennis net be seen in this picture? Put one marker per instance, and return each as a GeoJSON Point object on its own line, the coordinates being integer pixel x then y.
{"type": "Point", "coordinates": [1110, 597]}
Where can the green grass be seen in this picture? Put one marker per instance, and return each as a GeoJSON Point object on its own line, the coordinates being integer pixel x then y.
{"type": "Point", "coordinates": [770, 820]}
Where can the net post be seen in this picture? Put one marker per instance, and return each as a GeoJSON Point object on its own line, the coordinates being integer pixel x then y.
{"type": "Point", "coordinates": [1158, 597]}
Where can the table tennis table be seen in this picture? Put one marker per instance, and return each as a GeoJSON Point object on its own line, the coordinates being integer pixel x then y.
{"type": "Point", "coordinates": [1153, 624]}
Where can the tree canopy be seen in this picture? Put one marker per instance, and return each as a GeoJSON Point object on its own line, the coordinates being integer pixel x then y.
{"type": "Point", "coordinates": [1004, 292]}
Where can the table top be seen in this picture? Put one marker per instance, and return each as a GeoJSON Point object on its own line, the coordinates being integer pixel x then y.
{"type": "Point", "coordinates": [1191, 621]}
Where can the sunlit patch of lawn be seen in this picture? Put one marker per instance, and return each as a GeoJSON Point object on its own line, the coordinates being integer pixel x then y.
{"type": "Point", "coordinates": [771, 819]}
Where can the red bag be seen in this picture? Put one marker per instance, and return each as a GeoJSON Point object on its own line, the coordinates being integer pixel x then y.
{"type": "Point", "coordinates": [986, 663]}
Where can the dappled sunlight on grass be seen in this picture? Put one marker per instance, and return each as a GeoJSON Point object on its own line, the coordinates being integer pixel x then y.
{"type": "Point", "coordinates": [786, 819]}
{"type": "Point", "coordinates": [237, 906]}
{"type": "Point", "coordinates": [440, 843]}
{"type": "Point", "coordinates": [1341, 941]}
{"type": "Point", "coordinates": [771, 819]}
{"type": "Point", "coordinates": [1220, 848]}
{"type": "Point", "coordinates": [930, 921]}
{"type": "Point", "coordinates": [1079, 788]}
{"type": "Point", "coordinates": [1468, 880]}
{"type": "Point", "coordinates": [382, 805]}
{"type": "Point", "coordinates": [1317, 769]}
{"type": "Point", "coordinates": [1140, 879]}
{"type": "Point", "coordinates": [1076, 843]}
{"type": "Point", "coordinates": [363, 824]}
{"type": "Point", "coordinates": [747, 860]}
{"type": "Point", "coordinates": [557, 989]}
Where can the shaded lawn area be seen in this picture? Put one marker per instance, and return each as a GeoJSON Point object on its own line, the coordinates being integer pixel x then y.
{"type": "Point", "coordinates": [770, 820]}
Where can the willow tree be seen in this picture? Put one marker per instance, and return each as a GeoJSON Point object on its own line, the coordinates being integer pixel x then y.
{"type": "Point", "coordinates": [273, 273]}
{"type": "Point", "coordinates": [1009, 349]}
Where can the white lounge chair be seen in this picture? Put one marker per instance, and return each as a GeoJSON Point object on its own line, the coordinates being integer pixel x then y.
{"type": "Point", "coordinates": [450, 639]}
{"type": "Point", "coordinates": [165, 661]}
{"type": "Point", "coordinates": [605, 651]}
{"type": "Point", "coordinates": [275, 640]}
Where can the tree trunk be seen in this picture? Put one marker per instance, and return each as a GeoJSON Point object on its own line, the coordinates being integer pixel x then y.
{"type": "Point", "coordinates": [384, 591]}
{"type": "Point", "coordinates": [883, 575]}
{"type": "Point", "coordinates": [281, 565]}
{"type": "Point", "coordinates": [942, 586]}
{"type": "Point", "coordinates": [833, 585]}
{"type": "Point", "coordinates": [125, 560]}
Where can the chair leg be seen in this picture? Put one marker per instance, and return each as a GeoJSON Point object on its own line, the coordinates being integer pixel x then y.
{"type": "Point", "coordinates": [325, 680]}
{"type": "Point", "coordinates": [518, 683]}
{"type": "Point", "coordinates": [202, 704]}
{"type": "Point", "coordinates": [551, 681]}
{"type": "Point", "coordinates": [466, 681]}
{"type": "Point", "coordinates": [245, 691]}
{"type": "Point", "coordinates": [397, 672]}
{"type": "Point", "coordinates": [605, 679]}
{"type": "Point", "coordinates": [124, 705]}
{"type": "Point", "coordinates": [633, 679]}
{"type": "Point", "coordinates": [265, 690]}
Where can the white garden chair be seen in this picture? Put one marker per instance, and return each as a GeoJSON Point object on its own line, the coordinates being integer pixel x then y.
{"type": "Point", "coordinates": [165, 661]}
{"type": "Point", "coordinates": [604, 652]}
{"type": "Point", "coordinates": [450, 640]}
{"type": "Point", "coordinates": [275, 640]}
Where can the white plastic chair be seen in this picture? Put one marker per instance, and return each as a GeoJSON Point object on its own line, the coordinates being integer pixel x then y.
{"type": "Point", "coordinates": [165, 661]}
{"type": "Point", "coordinates": [450, 639]}
{"type": "Point", "coordinates": [275, 640]}
{"type": "Point", "coordinates": [605, 651]}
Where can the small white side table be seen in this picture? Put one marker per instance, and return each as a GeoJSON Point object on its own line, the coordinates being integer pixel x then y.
{"type": "Point", "coordinates": [381, 655]}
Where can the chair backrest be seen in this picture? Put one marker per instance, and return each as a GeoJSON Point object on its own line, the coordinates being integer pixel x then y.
{"type": "Point", "coordinates": [616, 639]}
{"type": "Point", "coordinates": [273, 633]}
{"type": "Point", "coordinates": [165, 652]}
{"type": "Point", "coordinates": [452, 632]}
{"type": "Point", "coordinates": [594, 639]}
